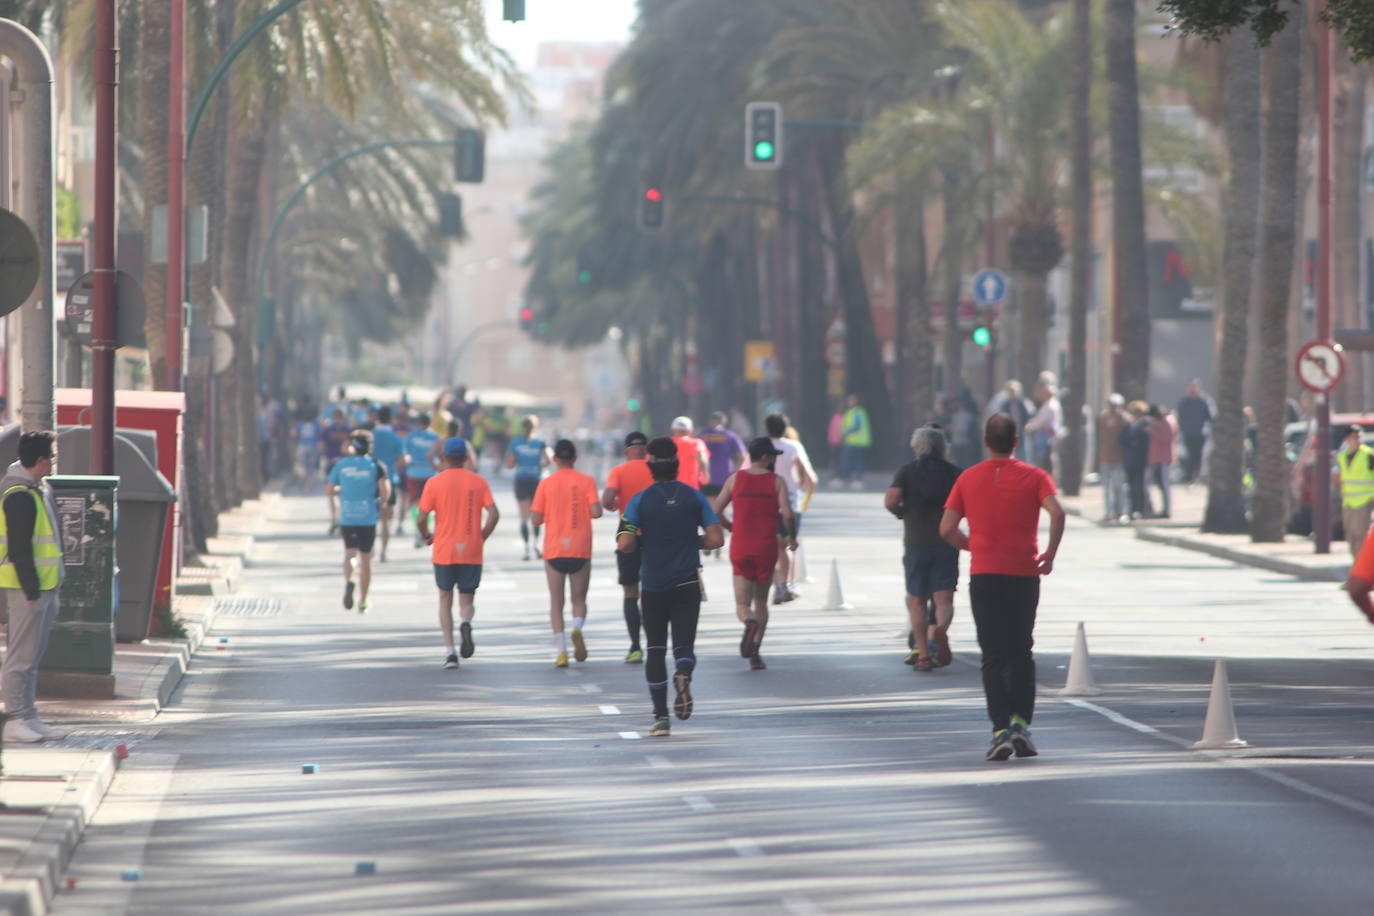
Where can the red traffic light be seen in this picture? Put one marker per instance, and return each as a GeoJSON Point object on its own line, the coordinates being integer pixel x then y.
{"type": "Point", "coordinates": [527, 314]}
{"type": "Point", "coordinates": [653, 194]}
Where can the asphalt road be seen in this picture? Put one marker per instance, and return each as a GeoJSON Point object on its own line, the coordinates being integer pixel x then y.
{"type": "Point", "coordinates": [837, 781]}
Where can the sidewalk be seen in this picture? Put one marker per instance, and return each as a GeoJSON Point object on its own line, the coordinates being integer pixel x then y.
{"type": "Point", "coordinates": [49, 791]}
{"type": "Point", "coordinates": [1291, 557]}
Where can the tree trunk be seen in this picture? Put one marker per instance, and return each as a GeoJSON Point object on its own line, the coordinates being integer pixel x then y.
{"type": "Point", "coordinates": [812, 414]}
{"type": "Point", "coordinates": [1128, 200]}
{"type": "Point", "coordinates": [1225, 511]}
{"type": "Point", "coordinates": [1081, 247]}
{"type": "Point", "coordinates": [1032, 301]}
{"type": "Point", "coordinates": [1347, 238]}
{"type": "Point", "coordinates": [954, 203]}
{"type": "Point", "coordinates": [153, 64]}
{"type": "Point", "coordinates": [913, 297]}
{"type": "Point", "coordinates": [1278, 236]}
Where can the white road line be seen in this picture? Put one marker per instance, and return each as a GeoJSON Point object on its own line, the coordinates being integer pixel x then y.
{"type": "Point", "coordinates": [745, 848]}
{"type": "Point", "coordinates": [655, 760]}
{"type": "Point", "coordinates": [630, 736]}
{"type": "Point", "coordinates": [699, 803]}
{"type": "Point", "coordinates": [1119, 719]}
{"type": "Point", "coordinates": [801, 906]}
{"type": "Point", "coordinates": [590, 688]}
{"type": "Point", "coordinates": [609, 710]}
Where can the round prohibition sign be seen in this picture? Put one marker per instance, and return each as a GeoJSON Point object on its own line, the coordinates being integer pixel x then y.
{"type": "Point", "coordinates": [1320, 366]}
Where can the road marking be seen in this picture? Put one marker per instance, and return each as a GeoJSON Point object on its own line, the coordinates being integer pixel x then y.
{"type": "Point", "coordinates": [1119, 719]}
{"type": "Point", "coordinates": [699, 803]}
{"type": "Point", "coordinates": [801, 906]}
{"type": "Point", "coordinates": [609, 710]}
{"type": "Point", "coordinates": [656, 760]}
{"type": "Point", "coordinates": [590, 688]}
{"type": "Point", "coordinates": [745, 848]}
{"type": "Point", "coordinates": [630, 736]}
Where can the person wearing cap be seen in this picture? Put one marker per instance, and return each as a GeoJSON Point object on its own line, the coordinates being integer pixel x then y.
{"type": "Point", "coordinates": [360, 483]}
{"type": "Point", "coordinates": [931, 564]}
{"type": "Point", "coordinates": [622, 485]}
{"type": "Point", "coordinates": [694, 459]}
{"type": "Point", "coordinates": [664, 521]}
{"type": "Point", "coordinates": [761, 511]}
{"type": "Point", "coordinates": [1111, 461]}
{"type": "Point", "coordinates": [565, 503]}
{"type": "Point", "coordinates": [1355, 462]}
{"type": "Point", "coordinates": [527, 455]}
{"type": "Point", "coordinates": [726, 450]}
{"type": "Point", "coordinates": [458, 497]}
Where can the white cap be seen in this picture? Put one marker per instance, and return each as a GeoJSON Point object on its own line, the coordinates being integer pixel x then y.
{"type": "Point", "coordinates": [1115, 399]}
{"type": "Point", "coordinates": [682, 423]}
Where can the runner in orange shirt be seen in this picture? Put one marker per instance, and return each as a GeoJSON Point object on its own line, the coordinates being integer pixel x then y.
{"type": "Point", "coordinates": [1361, 579]}
{"type": "Point", "coordinates": [694, 458]}
{"type": "Point", "coordinates": [624, 481]}
{"type": "Point", "coordinates": [565, 504]}
{"type": "Point", "coordinates": [458, 498]}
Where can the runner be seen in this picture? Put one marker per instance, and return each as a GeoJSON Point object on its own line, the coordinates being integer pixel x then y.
{"type": "Point", "coordinates": [528, 456]}
{"type": "Point", "coordinates": [622, 485]}
{"type": "Point", "coordinates": [458, 497]}
{"type": "Point", "coordinates": [694, 461]}
{"type": "Point", "coordinates": [794, 467]}
{"type": "Point", "coordinates": [334, 446]}
{"type": "Point", "coordinates": [360, 483]}
{"type": "Point", "coordinates": [419, 467]}
{"type": "Point", "coordinates": [917, 497]}
{"type": "Point", "coordinates": [1002, 498]}
{"type": "Point", "coordinates": [567, 500]}
{"type": "Point", "coordinates": [761, 511]}
{"type": "Point", "coordinates": [726, 450]}
{"type": "Point", "coordinates": [387, 447]}
{"type": "Point", "coordinates": [662, 522]}
{"type": "Point", "coordinates": [307, 435]}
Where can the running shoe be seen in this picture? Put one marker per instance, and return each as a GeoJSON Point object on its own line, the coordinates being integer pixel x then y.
{"type": "Point", "coordinates": [1002, 746]}
{"type": "Point", "coordinates": [1021, 741]}
{"type": "Point", "coordinates": [942, 654]}
{"type": "Point", "coordinates": [924, 663]}
{"type": "Point", "coordinates": [561, 661]}
{"type": "Point", "coordinates": [634, 657]}
{"type": "Point", "coordinates": [467, 646]}
{"type": "Point", "coordinates": [911, 657]}
{"type": "Point", "coordinates": [779, 594]}
{"type": "Point", "coordinates": [527, 555]}
{"type": "Point", "coordinates": [381, 557]}
{"type": "Point", "coordinates": [451, 661]}
{"type": "Point", "coordinates": [682, 703]}
{"type": "Point", "coordinates": [579, 645]}
{"type": "Point", "coordinates": [348, 596]}
{"type": "Point", "coordinates": [363, 606]}
{"type": "Point", "coordinates": [756, 662]}
{"type": "Point", "coordinates": [661, 728]}
{"type": "Point", "coordinates": [746, 643]}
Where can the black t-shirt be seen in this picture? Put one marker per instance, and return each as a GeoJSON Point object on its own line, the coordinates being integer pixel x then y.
{"type": "Point", "coordinates": [925, 485]}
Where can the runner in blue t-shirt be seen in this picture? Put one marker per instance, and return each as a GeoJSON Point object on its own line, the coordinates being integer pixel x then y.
{"type": "Point", "coordinates": [387, 447]}
{"type": "Point", "coordinates": [419, 466]}
{"type": "Point", "coordinates": [307, 433]}
{"type": "Point", "coordinates": [663, 521]}
{"type": "Point", "coordinates": [360, 484]}
{"type": "Point", "coordinates": [528, 456]}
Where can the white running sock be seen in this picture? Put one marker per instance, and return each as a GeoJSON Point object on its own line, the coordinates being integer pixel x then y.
{"type": "Point", "coordinates": [578, 621]}
{"type": "Point", "coordinates": [560, 641]}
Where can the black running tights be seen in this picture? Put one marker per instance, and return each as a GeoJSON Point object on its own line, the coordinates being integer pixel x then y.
{"type": "Point", "coordinates": [1004, 615]}
{"type": "Point", "coordinates": [677, 608]}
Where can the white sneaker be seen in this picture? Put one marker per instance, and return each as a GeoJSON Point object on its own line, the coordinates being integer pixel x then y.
{"type": "Point", "coordinates": [44, 729]}
{"type": "Point", "coordinates": [20, 730]}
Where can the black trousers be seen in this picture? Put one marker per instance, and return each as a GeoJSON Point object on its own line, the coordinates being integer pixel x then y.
{"type": "Point", "coordinates": [1192, 458]}
{"type": "Point", "coordinates": [1140, 497]}
{"type": "Point", "coordinates": [676, 609]}
{"type": "Point", "coordinates": [1004, 615]}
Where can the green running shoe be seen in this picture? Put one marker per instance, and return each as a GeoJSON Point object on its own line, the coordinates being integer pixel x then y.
{"type": "Point", "coordinates": [634, 657]}
{"type": "Point", "coordinates": [1021, 740]}
{"type": "Point", "coordinates": [1002, 746]}
{"type": "Point", "coordinates": [660, 728]}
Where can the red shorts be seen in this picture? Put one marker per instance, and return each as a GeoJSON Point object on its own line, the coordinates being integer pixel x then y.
{"type": "Point", "coordinates": [755, 567]}
{"type": "Point", "coordinates": [415, 486]}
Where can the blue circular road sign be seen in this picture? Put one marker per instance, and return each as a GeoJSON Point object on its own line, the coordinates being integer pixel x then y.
{"type": "Point", "coordinates": [989, 287]}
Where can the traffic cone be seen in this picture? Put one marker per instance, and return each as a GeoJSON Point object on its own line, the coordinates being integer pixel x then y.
{"type": "Point", "coordinates": [1219, 729]}
{"type": "Point", "coordinates": [1080, 680]}
{"type": "Point", "coordinates": [803, 572]}
{"type": "Point", "coordinates": [834, 601]}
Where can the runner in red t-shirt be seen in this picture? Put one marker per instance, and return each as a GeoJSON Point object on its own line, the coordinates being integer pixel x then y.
{"type": "Point", "coordinates": [762, 511]}
{"type": "Point", "coordinates": [622, 484]}
{"type": "Point", "coordinates": [1002, 499]}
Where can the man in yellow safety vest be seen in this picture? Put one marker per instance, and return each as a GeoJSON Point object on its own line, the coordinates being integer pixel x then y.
{"type": "Point", "coordinates": [30, 575]}
{"type": "Point", "coordinates": [1356, 463]}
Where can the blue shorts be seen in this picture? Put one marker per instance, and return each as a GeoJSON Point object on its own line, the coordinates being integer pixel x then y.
{"type": "Point", "coordinates": [463, 576]}
{"type": "Point", "coordinates": [931, 569]}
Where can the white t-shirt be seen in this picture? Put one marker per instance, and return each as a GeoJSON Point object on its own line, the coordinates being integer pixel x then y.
{"type": "Point", "coordinates": [793, 453]}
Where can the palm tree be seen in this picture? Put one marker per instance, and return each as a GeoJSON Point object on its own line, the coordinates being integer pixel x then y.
{"type": "Point", "coordinates": [1279, 215]}
{"type": "Point", "coordinates": [1081, 181]}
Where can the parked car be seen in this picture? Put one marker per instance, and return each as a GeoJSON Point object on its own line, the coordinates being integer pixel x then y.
{"type": "Point", "coordinates": [1302, 450]}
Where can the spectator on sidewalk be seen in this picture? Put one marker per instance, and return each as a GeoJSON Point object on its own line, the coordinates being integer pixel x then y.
{"type": "Point", "coordinates": [30, 577]}
{"type": "Point", "coordinates": [1110, 461]}
{"type": "Point", "coordinates": [1163, 435]}
{"type": "Point", "coordinates": [1194, 422]}
{"type": "Point", "coordinates": [1046, 425]}
{"type": "Point", "coordinates": [1356, 463]}
{"type": "Point", "coordinates": [857, 434]}
{"type": "Point", "coordinates": [1013, 403]}
{"type": "Point", "coordinates": [1135, 450]}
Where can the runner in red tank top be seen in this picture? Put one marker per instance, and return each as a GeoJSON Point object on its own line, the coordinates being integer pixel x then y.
{"type": "Point", "coordinates": [760, 497]}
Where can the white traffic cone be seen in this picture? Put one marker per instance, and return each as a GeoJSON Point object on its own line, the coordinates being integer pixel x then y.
{"type": "Point", "coordinates": [1219, 730]}
{"type": "Point", "coordinates": [803, 573]}
{"type": "Point", "coordinates": [1080, 680]}
{"type": "Point", "coordinates": [834, 601]}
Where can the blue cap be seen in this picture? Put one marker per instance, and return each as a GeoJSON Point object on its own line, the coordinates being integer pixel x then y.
{"type": "Point", "coordinates": [456, 447]}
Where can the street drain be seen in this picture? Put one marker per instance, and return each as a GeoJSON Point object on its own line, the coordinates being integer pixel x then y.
{"type": "Point", "coordinates": [248, 607]}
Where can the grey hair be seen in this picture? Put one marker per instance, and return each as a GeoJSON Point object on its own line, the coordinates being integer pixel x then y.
{"type": "Point", "coordinates": [928, 442]}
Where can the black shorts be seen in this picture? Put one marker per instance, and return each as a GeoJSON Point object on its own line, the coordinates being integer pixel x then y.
{"type": "Point", "coordinates": [359, 537]}
{"type": "Point", "coordinates": [568, 565]}
{"type": "Point", "coordinates": [525, 487]}
{"type": "Point", "coordinates": [627, 565]}
{"type": "Point", "coordinates": [710, 489]}
{"type": "Point", "coordinates": [463, 576]}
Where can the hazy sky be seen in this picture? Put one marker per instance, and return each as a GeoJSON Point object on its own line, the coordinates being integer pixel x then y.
{"type": "Point", "coordinates": [554, 20]}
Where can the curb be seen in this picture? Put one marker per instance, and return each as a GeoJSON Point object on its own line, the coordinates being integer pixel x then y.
{"type": "Point", "coordinates": [1245, 557]}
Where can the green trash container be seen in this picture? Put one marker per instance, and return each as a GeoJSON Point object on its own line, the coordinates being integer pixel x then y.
{"type": "Point", "coordinates": [80, 656]}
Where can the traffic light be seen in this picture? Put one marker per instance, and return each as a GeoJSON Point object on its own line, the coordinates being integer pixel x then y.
{"type": "Point", "coordinates": [762, 135]}
{"type": "Point", "coordinates": [526, 319]}
{"type": "Point", "coordinates": [982, 336]}
{"type": "Point", "coordinates": [651, 208]}
{"type": "Point", "coordinates": [469, 155]}
{"type": "Point", "coordinates": [513, 11]}
{"type": "Point", "coordinates": [450, 215]}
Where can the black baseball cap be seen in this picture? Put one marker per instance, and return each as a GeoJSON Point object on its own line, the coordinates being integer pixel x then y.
{"type": "Point", "coordinates": [636, 438]}
{"type": "Point", "coordinates": [761, 448]}
{"type": "Point", "coordinates": [565, 449]}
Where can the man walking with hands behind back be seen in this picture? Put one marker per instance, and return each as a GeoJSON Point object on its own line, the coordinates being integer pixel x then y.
{"type": "Point", "coordinates": [1002, 499]}
{"type": "Point", "coordinates": [30, 576]}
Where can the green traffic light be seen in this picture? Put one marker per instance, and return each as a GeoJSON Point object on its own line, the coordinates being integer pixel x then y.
{"type": "Point", "coordinates": [584, 277]}
{"type": "Point", "coordinates": [982, 336]}
{"type": "Point", "coordinates": [763, 151]}
{"type": "Point", "coordinates": [632, 405]}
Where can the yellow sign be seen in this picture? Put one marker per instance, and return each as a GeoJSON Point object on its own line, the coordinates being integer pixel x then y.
{"type": "Point", "coordinates": [758, 360]}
